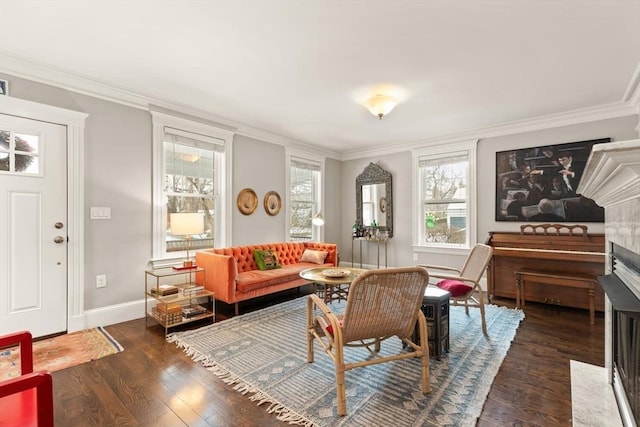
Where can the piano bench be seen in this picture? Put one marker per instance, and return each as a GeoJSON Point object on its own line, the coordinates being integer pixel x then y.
{"type": "Point", "coordinates": [575, 280]}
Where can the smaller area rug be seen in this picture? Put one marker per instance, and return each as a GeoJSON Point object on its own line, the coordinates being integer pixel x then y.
{"type": "Point", "coordinates": [263, 355]}
{"type": "Point", "coordinates": [63, 351]}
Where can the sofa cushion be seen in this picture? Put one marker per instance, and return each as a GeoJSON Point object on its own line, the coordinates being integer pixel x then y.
{"type": "Point", "coordinates": [313, 256]}
{"type": "Point", "coordinates": [266, 259]}
{"type": "Point", "coordinates": [256, 279]}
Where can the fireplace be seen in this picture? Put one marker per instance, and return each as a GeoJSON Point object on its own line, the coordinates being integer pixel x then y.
{"type": "Point", "coordinates": [622, 288]}
{"type": "Point", "coordinates": [612, 178]}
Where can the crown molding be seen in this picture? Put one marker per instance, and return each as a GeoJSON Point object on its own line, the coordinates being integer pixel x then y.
{"type": "Point", "coordinates": [632, 94]}
{"type": "Point", "coordinates": [21, 67]}
{"type": "Point", "coordinates": [53, 76]}
{"type": "Point", "coordinates": [286, 142]}
{"type": "Point", "coordinates": [31, 70]}
{"type": "Point", "coordinates": [612, 174]}
{"type": "Point", "coordinates": [584, 115]}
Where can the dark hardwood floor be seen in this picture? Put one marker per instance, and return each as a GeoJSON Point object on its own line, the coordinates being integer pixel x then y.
{"type": "Point", "coordinates": [153, 383]}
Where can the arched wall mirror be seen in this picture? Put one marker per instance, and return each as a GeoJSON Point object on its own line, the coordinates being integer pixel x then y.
{"type": "Point", "coordinates": [374, 201]}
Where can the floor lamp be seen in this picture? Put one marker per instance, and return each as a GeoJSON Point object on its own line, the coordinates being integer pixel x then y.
{"type": "Point", "coordinates": [187, 224]}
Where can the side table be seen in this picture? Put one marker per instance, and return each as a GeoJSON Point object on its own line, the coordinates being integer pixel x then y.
{"type": "Point", "coordinates": [435, 307]}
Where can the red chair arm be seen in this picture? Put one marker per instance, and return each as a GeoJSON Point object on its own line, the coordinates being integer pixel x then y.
{"type": "Point", "coordinates": [24, 339]}
{"type": "Point", "coordinates": [42, 381]}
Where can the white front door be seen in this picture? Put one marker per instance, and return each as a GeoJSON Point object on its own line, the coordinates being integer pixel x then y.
{"type": "Point", "coordinates": [33, 226]}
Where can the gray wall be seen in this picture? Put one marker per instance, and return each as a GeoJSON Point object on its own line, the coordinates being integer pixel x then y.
{"type": "Point", "coordinates": [118, 172]}
{"type": "Point", "coordinates": [399, 246]}
{"type": "Point", "coordinates": [117, 156]}
{"type": "Point", "coordinates": [260, 166]}
{"type": "Point", "coordinates": [619, 129]}
{"type": "Point", "coordinates": [399, 165]}
{"type": "Point", "coordinates": [332, 206]}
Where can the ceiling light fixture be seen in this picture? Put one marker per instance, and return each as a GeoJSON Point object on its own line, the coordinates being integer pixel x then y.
{"type": "Point", "coordinates": [380, 104]}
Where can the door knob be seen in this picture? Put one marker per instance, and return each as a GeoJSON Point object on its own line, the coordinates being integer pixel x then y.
{"type": "Point", "coordinates": [58, 239]}
{"type": "Point", "coordinates": [59, 225]}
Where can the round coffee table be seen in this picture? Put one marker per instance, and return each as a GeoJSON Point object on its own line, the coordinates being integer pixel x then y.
{"type": "Point", "coordinates": [336, 285]}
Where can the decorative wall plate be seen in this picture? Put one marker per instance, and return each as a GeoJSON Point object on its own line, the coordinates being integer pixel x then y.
{"type": "Point", "coordinates": [272, 203]}
{"type": "Point", "coordinates": [247, 201]}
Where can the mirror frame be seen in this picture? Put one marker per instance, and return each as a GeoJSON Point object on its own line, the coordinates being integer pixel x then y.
{"type": "Point", "coordinates": [374, 174]}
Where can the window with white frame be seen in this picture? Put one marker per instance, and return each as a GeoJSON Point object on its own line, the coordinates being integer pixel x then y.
{"type": "Point", "coordinates": [190, 164]}
{"type": "Point", "coordinates": [305, 189]}
{"type": "Point", "coordinates": [445, 196]}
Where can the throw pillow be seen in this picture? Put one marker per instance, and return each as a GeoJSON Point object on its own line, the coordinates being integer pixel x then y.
{"type": "Point", "coordinates": [266, 260]}
{"type": "Point", "coordinates": [316, 257]}
{"type": "Point", "coordinates": [455, 287]}
{"type": "Point", "coordinates": [329, 327]}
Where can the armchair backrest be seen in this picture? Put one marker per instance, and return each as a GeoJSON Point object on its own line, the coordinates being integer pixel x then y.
{"type": "Point", "coordinates": [477, 262]}
{"type": "Point", "coordinates": [384, 303]}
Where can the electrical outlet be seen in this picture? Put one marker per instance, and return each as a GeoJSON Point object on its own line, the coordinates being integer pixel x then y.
{"type": "Point", "coordinates": [101, 281]}
{"type": "Point", "coordinates": [415, 257]}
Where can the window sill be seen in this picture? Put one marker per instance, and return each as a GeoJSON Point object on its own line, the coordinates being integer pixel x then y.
{"type": "Point", "coordinates": [441, 249]}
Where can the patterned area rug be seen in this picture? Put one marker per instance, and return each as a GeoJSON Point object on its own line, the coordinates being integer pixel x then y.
{"type": "Point", "coordinates": [263, 355]}
{"type": "Point", "coordinates": [63, 351]}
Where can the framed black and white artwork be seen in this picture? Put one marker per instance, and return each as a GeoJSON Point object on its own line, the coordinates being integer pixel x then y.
{"type": "Point", "coordinates": [539, 184]}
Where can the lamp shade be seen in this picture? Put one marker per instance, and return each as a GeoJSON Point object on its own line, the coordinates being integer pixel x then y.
{"type": "Point", "coordinates": [380, 104]}
{"type": "Point", "coordinates": [187, 223]}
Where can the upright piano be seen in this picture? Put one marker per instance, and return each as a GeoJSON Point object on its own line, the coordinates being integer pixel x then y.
{"type": "Point", "coordinates": [552, 248]}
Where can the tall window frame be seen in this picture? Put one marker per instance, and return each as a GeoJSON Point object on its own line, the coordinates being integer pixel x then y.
{"type": "Point", "coordinates": [302, 207]}
{"type": "Point", "coordinates": [189, 137]}
{"type": "Point", "coordinates": [457, 221]}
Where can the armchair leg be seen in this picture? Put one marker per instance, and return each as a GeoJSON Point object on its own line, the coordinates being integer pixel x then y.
{"type": "Point", "coordinates": [425, 383]}
{"type": "Point", "coordinates": [484, 322]}
{"type": "Point", "coordinates": [310, 336]}
{"type": "Point", "coordinates": [341, 390]}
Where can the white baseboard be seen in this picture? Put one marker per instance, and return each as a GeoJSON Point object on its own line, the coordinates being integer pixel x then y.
{"type": "Point", "coordinates": [105, 316]}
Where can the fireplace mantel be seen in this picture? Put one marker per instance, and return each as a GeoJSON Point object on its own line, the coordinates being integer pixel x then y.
{"type": "Point", "coordinates": [612, 174]}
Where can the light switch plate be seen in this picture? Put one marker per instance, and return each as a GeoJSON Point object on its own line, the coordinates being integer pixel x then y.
{"type": "Point", "coordinates": [100, 212]}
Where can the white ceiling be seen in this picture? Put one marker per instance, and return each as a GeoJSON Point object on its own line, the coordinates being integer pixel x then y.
{"type": "Point", "coordinates": [301, 69]}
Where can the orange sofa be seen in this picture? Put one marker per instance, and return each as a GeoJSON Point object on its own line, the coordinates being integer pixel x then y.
{"type": "Point", "coordinates": [233, 276]}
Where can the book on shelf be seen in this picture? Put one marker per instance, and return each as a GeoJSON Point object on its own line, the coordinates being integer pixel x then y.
{"type": "Point", "coordinates": [192, 289]}
{"type": "Point", "coordinates": [193, 310]}
{"type": "Point", "coordinates": [169, 308]}
{"type": "Point", "coordinates": [163, 290]}
{"type": "Point", "coordinates": [185, 267]}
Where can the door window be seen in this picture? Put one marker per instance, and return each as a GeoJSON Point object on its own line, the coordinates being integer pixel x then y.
{"type": "Point", "coordinates": [19, 153]}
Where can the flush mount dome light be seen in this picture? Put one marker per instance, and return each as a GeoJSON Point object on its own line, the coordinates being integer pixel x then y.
{"type": "Point", "coordinates": [380, 105]}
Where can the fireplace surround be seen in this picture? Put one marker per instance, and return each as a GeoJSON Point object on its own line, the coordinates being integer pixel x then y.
{"type": "Point", "coordinates": [622, 288]}
{"type": "Point", "coordinates": [612, 179]}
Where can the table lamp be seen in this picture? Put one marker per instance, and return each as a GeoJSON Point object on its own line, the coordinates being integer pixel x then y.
{"type": "Point", "coordinates": [187, 224]}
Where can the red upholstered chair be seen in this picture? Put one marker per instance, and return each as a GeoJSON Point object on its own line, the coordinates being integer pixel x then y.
{"type": "Point", "coordinates": [26, 400]}
{"type": "Point", "coordinates": [464, 283]}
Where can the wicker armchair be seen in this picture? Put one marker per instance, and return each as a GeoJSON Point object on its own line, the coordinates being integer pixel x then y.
{"type": "Point", "coordinates": [381, 304]}
{"type": "Point", "coordinates": [464, 285]}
